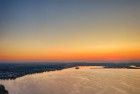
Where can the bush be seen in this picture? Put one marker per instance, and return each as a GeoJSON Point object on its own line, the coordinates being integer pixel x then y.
{"type": "Point", "coordinates": [3, 90]}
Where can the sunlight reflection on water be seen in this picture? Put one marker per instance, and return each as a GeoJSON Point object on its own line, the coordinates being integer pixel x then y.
{"type": "Point", "coordinates": [81, 81]}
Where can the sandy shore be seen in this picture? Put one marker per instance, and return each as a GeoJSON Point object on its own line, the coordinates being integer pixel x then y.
{"type": "Point", "coordinates": [86, 80]}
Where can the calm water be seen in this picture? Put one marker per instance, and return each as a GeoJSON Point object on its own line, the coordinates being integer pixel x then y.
{"type": "Point", "coordinates": [82, 81]}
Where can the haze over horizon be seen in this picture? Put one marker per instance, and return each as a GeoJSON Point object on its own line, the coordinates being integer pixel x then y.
{"type": "Point", "coordinates": [69, 30]}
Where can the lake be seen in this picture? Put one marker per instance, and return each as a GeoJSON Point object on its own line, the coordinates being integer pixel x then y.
{"type": "Point", "coordinates": [86, 80]}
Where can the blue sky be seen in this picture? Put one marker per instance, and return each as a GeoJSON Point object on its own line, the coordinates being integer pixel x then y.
{"type": "Point", "coordinates": [46, 28]}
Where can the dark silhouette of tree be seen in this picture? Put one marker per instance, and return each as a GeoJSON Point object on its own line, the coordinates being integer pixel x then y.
{"type": "Point", "coordinates": [3, 90]}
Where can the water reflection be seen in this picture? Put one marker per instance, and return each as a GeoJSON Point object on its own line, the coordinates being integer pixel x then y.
{"type": "Point", "coordinates": [82, 81]}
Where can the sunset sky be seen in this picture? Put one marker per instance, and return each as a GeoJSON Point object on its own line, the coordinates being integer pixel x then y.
{"type": "Point", "coordinates": [69, 30]}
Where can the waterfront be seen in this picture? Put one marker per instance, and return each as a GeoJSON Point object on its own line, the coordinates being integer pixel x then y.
{"type": "Point", "coordinates": [86, 80]}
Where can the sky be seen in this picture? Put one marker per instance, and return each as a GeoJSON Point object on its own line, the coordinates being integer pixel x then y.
{"type": "Point", "coordinates": [69, 30]}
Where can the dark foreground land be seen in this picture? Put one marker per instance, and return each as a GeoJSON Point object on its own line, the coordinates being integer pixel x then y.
{"type": "Point", "coordinates": [13, 71]}
{"type": "Point", "coordinates": [3, 90]}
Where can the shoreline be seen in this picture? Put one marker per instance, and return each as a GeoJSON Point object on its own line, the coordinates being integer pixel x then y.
{"type": "Point", "coordinates": [14, 71]}
{"type": "Point", "coordinates": [85, 80]}
{"type": "Point", "coordinates": [86, 67]}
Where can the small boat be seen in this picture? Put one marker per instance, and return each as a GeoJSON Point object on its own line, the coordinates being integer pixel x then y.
{"type": "Point", "coordinates": [76, 67]}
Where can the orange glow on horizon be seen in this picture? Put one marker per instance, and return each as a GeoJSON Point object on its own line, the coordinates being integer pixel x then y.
{"type": "Point", "coordinates": [70, 30]}
{"type": "Point", "coordinates": [85, 56]}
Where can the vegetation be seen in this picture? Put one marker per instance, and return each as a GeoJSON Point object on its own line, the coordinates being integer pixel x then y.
{"type": "Point", "coordinates": [3, 90]}
{"type": "Point", "coordinates": [12, 71]}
